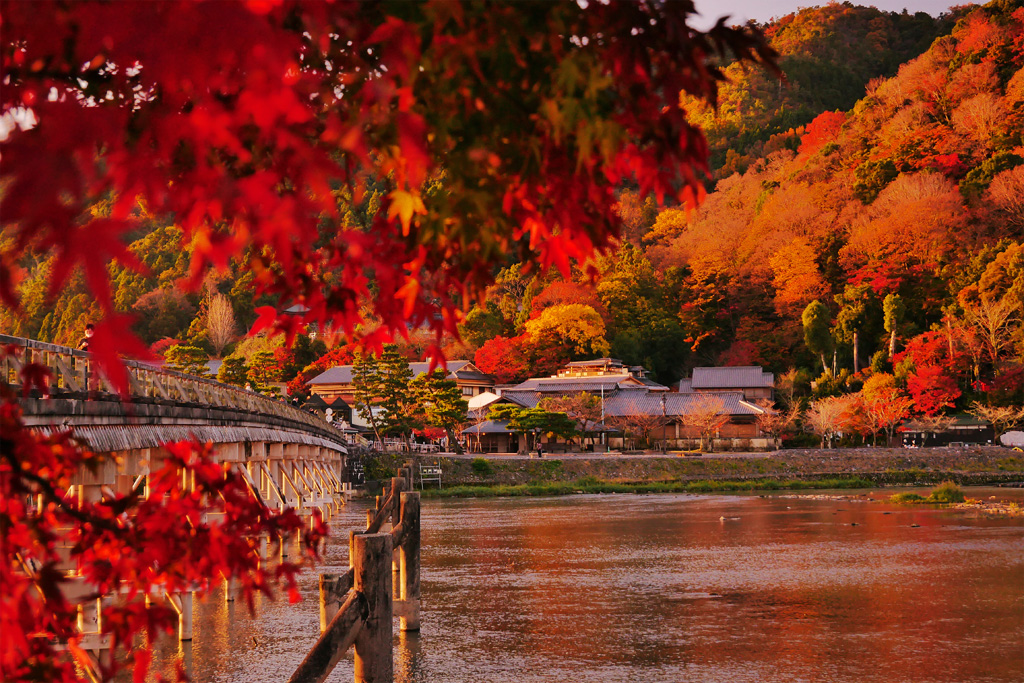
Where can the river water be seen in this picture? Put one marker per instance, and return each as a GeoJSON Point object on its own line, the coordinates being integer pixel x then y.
{"type": "Point", "coordinates": [670, 588]}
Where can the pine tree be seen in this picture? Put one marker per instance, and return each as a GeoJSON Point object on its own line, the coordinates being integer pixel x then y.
{"type": "Point", "coordinates": [399, 406]}
{"type": "Point", "coordinates": [367, 385]}
{"type": "Point", "coordinates": [442, 403]}
{"type": "Point", "coordinates": [233, 371]}
{"type": "Point", "coordinates": [816, 330]}
{"type": "Point", "coordinates": [263, 369]}
{"type": "Point", "coordinates": [190, 360]}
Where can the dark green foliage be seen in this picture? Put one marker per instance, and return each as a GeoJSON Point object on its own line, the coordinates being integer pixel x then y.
{"type": "Point", "coordinates": [977, 179]}
{"type": "Point", "coordinates": [485, 323]}
{"type": "Point", "coordinates": [366, 383]}
{"type": "Point", "coordinates": [381, 466]}
{"type": "Point", "coordinates": [947, 492]}
{"type": "Point", "coordinates": [831, 385]}
{"type": "Point", "coordinates": [190, 360]}
{"type": "Point", "coordinates": [872, 177]}
{"type": "Point", "coordinates": [817, 322]}
{"type": "Point", "coordinates": [482, 467]}
{"type": "Point", "coordinates": [263, 370]}
{"type": "Point", "coordinates": [906, 498]}
{"type": "Point", "coordinates": [441, 402]}
{"type": "Point", "coordinates": [400, 411]}
{"type": "Point", "coordinates": [534, 421]}
{"type": "Point", "coordinates": [233, 370]}
{"type": "Point", "coordinates": [162, 313]}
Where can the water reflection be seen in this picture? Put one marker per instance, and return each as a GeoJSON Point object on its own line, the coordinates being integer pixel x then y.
{"type": "Point", "coordinates": [671, 588]}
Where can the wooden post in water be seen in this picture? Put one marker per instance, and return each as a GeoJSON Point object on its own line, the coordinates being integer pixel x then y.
{"type": "Point", "coordinates": [397, 486]}
{"type": "Point", "coordinates": [409, 562]}
{"type": "Point", "coordinates": [328, 603]}
{"type": "Point", "coordinates": [373, 657]}
{"type": "Point", "coordinates": [339, 637]}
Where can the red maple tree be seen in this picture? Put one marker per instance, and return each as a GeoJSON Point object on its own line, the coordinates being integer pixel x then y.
{"type": "Point", "coordinates": [493, 129]}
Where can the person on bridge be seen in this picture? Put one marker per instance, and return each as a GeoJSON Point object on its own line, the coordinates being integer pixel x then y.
{"type": "Point", "coordinates": [83, 343]}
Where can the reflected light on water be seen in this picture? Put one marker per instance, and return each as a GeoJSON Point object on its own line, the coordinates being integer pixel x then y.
{"type": "Point", "coordinates": [669, 588]}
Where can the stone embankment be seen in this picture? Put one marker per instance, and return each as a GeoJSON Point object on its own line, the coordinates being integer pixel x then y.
{"type": "Point", "coordinates": [883, 466]}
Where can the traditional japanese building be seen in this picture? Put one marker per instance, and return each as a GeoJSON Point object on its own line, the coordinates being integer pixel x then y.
{"type": "Point", "coordinates": [751, 381]}
{"type": "Point", "coordinates": [631, 402]}
{"type": "Point", "coordinates": [337, 382]}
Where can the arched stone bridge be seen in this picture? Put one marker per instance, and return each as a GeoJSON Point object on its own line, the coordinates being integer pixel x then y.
{"type": "Point", "coordinates": [290, 457]}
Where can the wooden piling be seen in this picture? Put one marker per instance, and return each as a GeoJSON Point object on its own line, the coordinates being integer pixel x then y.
{"type": "Point", "coordinates": [328, 604]}
{"type": "Point", "coordinates": [182, 604]}
{"type": "Point", "coordinates": [409, 562]}
{"type": "Point", "coordinates": [335, 641]}
{"type": "Point", "coordinates": [397, 486]}
{"type": "Point", "coordinates": [373, 656]}
{"type": "Point", "coordinates": [333, 591]}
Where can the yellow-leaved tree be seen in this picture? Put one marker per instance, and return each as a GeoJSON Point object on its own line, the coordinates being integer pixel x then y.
{"type": "Point", "coordinates": [578, 328]}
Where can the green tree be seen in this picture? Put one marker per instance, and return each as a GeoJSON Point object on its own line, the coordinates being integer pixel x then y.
{"type": "Point", "coordinates": [859, 322]}
{"type": "Point", "coordinates": [366, 384]}
{"type": "Point", "coordinates": [233, 371]}
{"type": "Point", "coordinates": [263, 370]}
{"type": "Point", "coordinates": [400, 410]}
{"type": "Point", "coordinates": [872, 177]}
{"type": "Point", "coordinates": [442, 403]}
{"type": "Point", "coordinates": [817, 323]}
{"type": "Point", "coordinates": [535, 421]}
{"type": "Point", "coordinates": [163, 312]}
{"type": "Point", "coordinates": [582, 408]}
{"type": "Point", "coordinates": [484, 323]}
{"type": "Point", "coordinates": [190, 360]}
{"type": "Point", "coordinates": [894, 309]}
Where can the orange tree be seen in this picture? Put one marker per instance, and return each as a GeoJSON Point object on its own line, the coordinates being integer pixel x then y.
{"type": "Point", "coordinates": [484, 129]}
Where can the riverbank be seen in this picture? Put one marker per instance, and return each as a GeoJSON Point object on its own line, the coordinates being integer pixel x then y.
{"type": "Point", "coordinates": [594, 485]}
{"type": "Point", "coordinates": [510, 475]}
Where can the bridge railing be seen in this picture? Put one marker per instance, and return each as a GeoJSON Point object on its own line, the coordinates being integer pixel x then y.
{"type": "Point", "coordinates": [73, 371]}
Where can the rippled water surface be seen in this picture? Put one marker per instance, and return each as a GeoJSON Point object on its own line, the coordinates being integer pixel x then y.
{"type": "Point", "coordinates": [670, 588]}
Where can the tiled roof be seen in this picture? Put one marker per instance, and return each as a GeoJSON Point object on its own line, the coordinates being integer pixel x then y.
{"type": "Point", "coordinates": [574, 384]}
{"type": "Point", "coordinates": [685, 386]}
{"type": "Point", "coordinates": [675, 404]}
{"type": "Point", "coordinates": [598, 362]}
{"type": "Point", "coordinates": [744, 377]}
{"type": "Point", "coordinates": [488, 427]}
{"type": "Point", "coordinates": [453, 367]}
{"type": "Point", "coordinates": [527, 399]}
{"type": "Point", "coordinates": [457, 369]}
{"type": "Point", "coordinates": [339, 374]}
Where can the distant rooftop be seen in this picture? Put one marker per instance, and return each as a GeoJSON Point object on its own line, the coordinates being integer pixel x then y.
{"type": "Point", "coordinates": [739, 377]}
{"type": "Point", "coordinates": [457, 369]}
{"type": "Point", "coordinates": [591, 383]}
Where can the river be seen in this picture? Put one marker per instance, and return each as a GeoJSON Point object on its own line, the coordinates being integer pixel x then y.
{"type": "Point", "coordinates": [670, 588]}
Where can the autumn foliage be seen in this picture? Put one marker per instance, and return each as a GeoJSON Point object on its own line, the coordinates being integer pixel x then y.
{"type": "Point", "coordinates": [137, 545]}
{"type": "Point", "coordinates": [247, 137]}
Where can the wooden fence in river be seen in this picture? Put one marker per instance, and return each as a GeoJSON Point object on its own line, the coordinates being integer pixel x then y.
{"type": "Point", "coordinates": [357, 607]}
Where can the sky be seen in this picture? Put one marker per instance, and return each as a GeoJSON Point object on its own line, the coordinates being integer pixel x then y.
{"type": "Point", "coordinates": [763, 10]}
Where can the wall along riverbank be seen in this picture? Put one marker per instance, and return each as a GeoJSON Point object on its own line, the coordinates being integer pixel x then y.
{"type": "Point", "coordinates": [824, 468]}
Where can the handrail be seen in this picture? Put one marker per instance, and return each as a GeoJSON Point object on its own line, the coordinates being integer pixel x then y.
{"type": "Point", "coordinates": [72, 370]}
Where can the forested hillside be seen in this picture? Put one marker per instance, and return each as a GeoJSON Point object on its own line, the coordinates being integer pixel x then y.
{"type": "Point", "coordinates": [884, 236]}
{"type": "Point", "coordinates": [902, 218]}
{"type": "Point", "coordinates": [828, 56]}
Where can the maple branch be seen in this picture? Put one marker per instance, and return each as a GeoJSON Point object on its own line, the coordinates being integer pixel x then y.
{"type": "Point", "coordinates": [51, 494]}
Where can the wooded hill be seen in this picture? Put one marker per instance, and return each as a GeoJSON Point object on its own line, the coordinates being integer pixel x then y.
{"type": "Point", "coordinates": [894, 202]}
